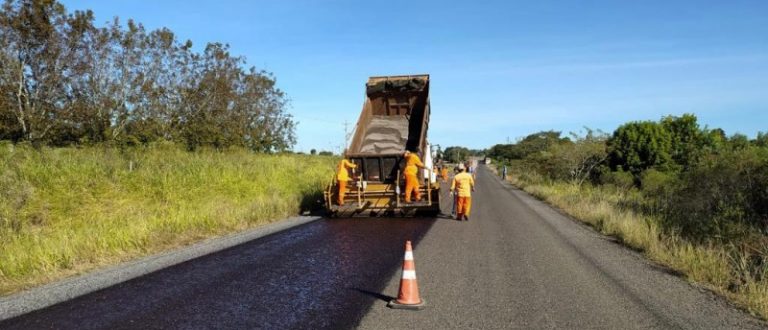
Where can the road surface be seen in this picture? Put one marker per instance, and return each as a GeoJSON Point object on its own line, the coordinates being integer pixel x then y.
{"type": "Point", "coordinates": [516, 264]}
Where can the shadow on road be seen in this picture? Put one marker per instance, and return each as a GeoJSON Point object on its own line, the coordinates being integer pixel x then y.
{"type": "Point", "coordinates": [376, 295]}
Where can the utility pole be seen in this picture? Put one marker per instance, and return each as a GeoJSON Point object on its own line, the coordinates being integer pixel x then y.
{"type": "Point", "coordinates": [346, 129]}
{"type": "Point", "coordinates": [347, 134]}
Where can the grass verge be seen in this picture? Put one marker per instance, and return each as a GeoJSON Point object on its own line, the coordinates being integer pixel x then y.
{"type": "Point", "coordinates": [725, 268]}
{"type": "Point", "coordinates": [67, 211]}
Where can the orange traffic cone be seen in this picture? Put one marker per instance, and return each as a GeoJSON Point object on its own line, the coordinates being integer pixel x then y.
{"type": "Point", "coordinates": [408, 298]}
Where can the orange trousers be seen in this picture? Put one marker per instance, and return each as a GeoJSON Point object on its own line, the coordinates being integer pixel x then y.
{"type": "Point", "coordinates": [412, 186]}
{"type": "Point", "coordinates": [342, 191]}
{"type": "Point", "coordinates": [463, 206]}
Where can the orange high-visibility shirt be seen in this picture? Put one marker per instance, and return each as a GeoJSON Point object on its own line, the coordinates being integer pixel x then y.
{"type": "Point", "coordinates": [463, 183]}
{"type": "Point", "coordinates": [412, 164]}
{"type": "Point", "coordinates": [341, 171]}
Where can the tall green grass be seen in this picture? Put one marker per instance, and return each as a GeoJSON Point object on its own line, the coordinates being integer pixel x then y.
{"type": "Point", "coordinates": [733, 269]}
{"type": "Point", "coordinates": [69, 210]}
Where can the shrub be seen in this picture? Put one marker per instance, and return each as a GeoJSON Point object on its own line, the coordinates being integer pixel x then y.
{"type": "Point", "coordinates": [722, 197]}
{"type": "Point", "coordinates": [654, 182]}
{"type": "Point", "coordinates": [619, 179]}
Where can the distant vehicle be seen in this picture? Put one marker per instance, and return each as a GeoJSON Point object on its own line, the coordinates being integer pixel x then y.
{"type": "Point", "coordinates": [395, 117]}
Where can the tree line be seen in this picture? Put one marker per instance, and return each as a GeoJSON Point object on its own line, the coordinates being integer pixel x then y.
{"type": "Point", "coordinates": [65, 81]}
{"type": "Point", "coordinates": [457, 154]}
{"type": "Point", "coordinates": [702, 183]}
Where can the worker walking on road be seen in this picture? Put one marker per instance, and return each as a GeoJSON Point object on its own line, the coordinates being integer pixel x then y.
{"type": "Point", "coordinates": [412, 165]}
{"type": "Point", "coordinates": [342, 177]}
{"type": "Point", "coordinates": [463, 185]}
{"type": "Point", "coordinates": [454, 196]}
{"type": "Point", "coordinates": [444, 173]}
{"type": "Point", "coordinates": [471, 170]}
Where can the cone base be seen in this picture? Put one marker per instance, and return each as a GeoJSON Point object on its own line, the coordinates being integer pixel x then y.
{"type": "Point", "coordinates": [396, 305]}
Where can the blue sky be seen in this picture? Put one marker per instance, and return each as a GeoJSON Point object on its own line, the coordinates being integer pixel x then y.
{"type": "Point", "coordinates": [499, 69]}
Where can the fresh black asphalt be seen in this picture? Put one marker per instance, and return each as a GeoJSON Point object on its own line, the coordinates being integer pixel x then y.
{"type": "Point", "coordinates": [322, 275]}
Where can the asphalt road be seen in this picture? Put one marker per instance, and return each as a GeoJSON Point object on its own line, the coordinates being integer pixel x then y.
{"type": "Point", "coordinates": [519, 264]}
{"type": "Point", "coordinates": [516, 264]}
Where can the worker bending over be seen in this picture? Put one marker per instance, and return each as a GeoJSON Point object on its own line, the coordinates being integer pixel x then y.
{"type": "Point", "coordinates": [463, 185]}
{"type": "Point", "coordinates": [412, 165]}
{"type": "Point", "coordinates": [342, 176]}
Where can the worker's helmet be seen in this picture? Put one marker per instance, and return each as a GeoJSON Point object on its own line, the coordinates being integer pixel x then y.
{"type": "Point", "coordinates": [461, 167]}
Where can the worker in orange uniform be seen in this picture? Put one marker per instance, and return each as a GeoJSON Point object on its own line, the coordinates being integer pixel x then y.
{"type": "Point", "coordinates": [412, 165]}
{"type": "Point", "coordinates": [444, 173]}
{"type": "Point", "coordinates": [342, 176]}
{"type": "Point", "coordinates": [463, 185]}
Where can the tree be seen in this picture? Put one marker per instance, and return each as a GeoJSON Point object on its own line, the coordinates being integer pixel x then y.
{"type": "Point", "coordinates": [36, 65]}
{"type": "Point", "coordinates": [456, 154]}
{"type": "Point", "coordinates": [531, 144]}
{"type": "Point", "coordinates": [503, 152]}
{"type": "Point", "coordinates": [581, 159]}
{"type": "Point", "coordinates": [738, 141]}
{"type": "Point", "coordinates": [637, 146]}
{"type": "Point", "coordinates": [538, 142]}
{"type": "Point", "coordinates": [761, 140]}
{"type": "Point", "coordinates": [686, 139]}
{"type": "Point", "coordinates": [64, 81]}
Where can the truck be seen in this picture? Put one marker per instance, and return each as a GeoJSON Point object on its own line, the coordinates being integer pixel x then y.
{"type": "Point", "coordinates": [395, 118]}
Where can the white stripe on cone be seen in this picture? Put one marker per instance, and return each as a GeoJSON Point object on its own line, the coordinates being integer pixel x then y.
{"type": "Point", "coordinates": [409, 274]}
{"type": "Point", "coordinates": [408, 255]}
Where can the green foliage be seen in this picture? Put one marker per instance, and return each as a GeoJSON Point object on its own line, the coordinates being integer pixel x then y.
{"type": "Point", "coordinates": [66, 210]}
{"type": "Point", "coordinates": [714, 140]}
{"type": "Point", "coordinates": [504, 152]}
{"type": "Point", "coordinates": [619, 178]}
{"type": "Point", "coordinates": [456, 154]}
{"type": "Point", "coordinates": [538, 142]}
{"type": "Point", "coordinates": [738, 141]}
{"type": "Point", "coordinates": [656, 184]}
{"type": "Point", "coordinates": [531, 144]}
{"type": "Point", "coordinates": [637, 146]}
{"type": "Point", "coordinates": [761, 140]}
{"type": "Point", "coordinates": [65, 81]}
{"type": "Point", "coordinates": [702, 184]}
{"type": "Point", "coordinates": [575, 160]}
{"type": "Point", "coordinates": [583, 157]}
{"type": "Point", "coordinates": [722, 197]}
{"type": "Point", "coordinates": [687, 140]}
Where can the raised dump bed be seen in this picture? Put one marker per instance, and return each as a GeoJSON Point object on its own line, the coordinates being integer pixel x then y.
{"type": "Point", "coordinates": [395, 118]}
